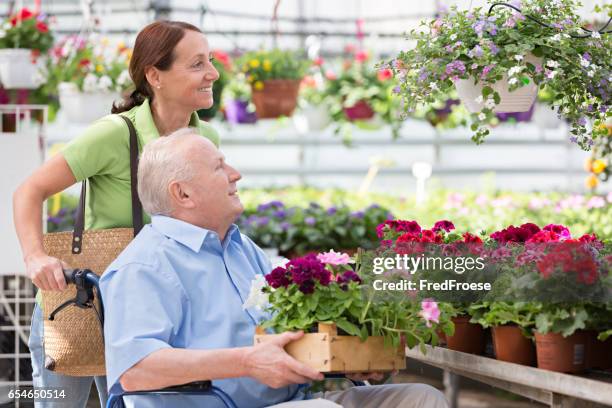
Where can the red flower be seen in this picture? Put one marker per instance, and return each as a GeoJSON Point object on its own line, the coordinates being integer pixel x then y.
{"type": "Point", "coordinates": [471, 238]}
{"type": "Point", "coordinates": [545, 236]}
{"type": "Point", "coordinates": [384, 74]}
{"type": "Point", "coordinates": [361, 56]}
{"type": "Point", "coordinates": [317, 61]}
{"type": "Point", "coordinates": [23, 14]}
{"type": "Point", "coordinates": [42, 27]}
{"type": "Point", "coordinates": [223, 58]}
{"type": "Point", "coordinates": [84, 62]}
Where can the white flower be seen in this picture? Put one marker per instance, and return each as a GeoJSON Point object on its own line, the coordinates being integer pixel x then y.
{"type": "Point", "coordinates": [596, 34]}
{"type": "Point", "coordinates": [433, 86]}
{"type": "Point", "coordinates": [585, 63]}
{"type": "Point", "coordinates": [480, 99]}
{"type": "Point", "coordinates": [551, 74]}
{"type": "Point", "coordinates": [518, 57]}
{"type": "Point", "coordinates": [591, 73]}
{"type": "Point", "coordinates": [90, 83]}
{"type": "Point", "coordinates": [105, 83]}
{"type": "Point", "coordinates": [256, 297]}
{"type": "Point", "coordinates": [556, 37]}
{"type": "Point", "coordinates": [2, 33]}
{"type": "Point", "coordinates": [552, 64]}
{"type": "Point", "coordinates": [123, 78]}
{"type": "Point", "coordinates": [482, 116]}
{"type": "Point", "coordinates": [513, 81]}
{"type": "Point", "coordinates": [490, 103]}
{"type": "Point", "coordinates": [453, 37]}
{"type": "Point", "coordinates": [515, 70]}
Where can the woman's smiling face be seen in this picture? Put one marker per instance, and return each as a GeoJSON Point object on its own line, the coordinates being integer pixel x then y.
{"type": "Point", "coordinates": [190, 78]}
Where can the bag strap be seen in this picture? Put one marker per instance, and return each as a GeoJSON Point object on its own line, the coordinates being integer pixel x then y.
{"type": "Point", "coordinates": [79, 224]}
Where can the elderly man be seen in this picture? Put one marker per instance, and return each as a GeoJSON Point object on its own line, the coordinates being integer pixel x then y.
{"type": "Point", "coordinates": [174, 298]}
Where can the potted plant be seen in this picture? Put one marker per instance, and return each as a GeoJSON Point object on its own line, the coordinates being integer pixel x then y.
{"type": "Point", "coordinates": [561, 276]}
{"type": "Point", "coordinates": [298, 230]}
{"type": "Point", "coordinates": [598, 165]}
{"type": "Point", "coordinates": [24, 38]}
{"type": "Point", "coordinates": [347, 330]}
{"type": "Point", "coordinates": [275, 77]}
{"type": "Point", "coordinates": [497, 59]}
{"type": "Point", "coordinates": [237, 104]}
{"type": "Point", "coordinates": [361, 92]}
{"type": "Point", "coordinates": [511, 325]}
{"type": "Point", "coordinates": [314, 111]}
{"type": "Point", "coordinates": [223, 65]}
{"type": "Point", "coordinates": [86, 74]}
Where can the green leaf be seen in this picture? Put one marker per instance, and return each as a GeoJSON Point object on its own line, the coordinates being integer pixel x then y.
{"type": "Point", "coordinates": [348, 327]}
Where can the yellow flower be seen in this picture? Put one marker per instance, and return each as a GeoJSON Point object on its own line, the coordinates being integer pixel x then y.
{"type": "Point", "coordinates": [598, 166]}
{"type": "Point", "coordinates": [267, 65]}
{"type": "Point", "coordinates": [258, 85]}
{"type": "Point", "coordinates": [250, 78]}
{"type": "Point", "coordinates": [254, 63]}
{"type": "Point", "coordinates": [588, 164]}
{"type": "Point", "coordinates": [129, 54]}
{"type": "Point", "coordinates": [104, 41]}
{"type": "Point", "coordinates": [99, 68]}
{"type": "Point", "coordinates": [592, 181]}
{"type": "Point", "coordinates": [245, 68]}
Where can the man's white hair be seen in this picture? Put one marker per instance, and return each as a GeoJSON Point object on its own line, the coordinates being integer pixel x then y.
{"type": "Point", "coordinates": [162, 161]}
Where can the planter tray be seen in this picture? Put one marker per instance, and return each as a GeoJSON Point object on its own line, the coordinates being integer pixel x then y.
{"type": "Point", "coordinates": [328, 352]}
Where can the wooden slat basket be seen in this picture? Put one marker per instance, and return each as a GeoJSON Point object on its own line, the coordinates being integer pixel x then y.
{"type": "Point", "coordinates": [328, 352]}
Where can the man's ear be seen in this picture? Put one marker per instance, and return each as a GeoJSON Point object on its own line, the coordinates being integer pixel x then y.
{"type": "Point", "coordinates": [180, 194]}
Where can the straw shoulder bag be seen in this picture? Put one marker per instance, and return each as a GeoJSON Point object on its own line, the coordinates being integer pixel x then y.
{"type": "Point", "coordinates": [73, 340]}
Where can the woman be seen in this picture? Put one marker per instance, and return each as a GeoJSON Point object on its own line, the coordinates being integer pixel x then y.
{"type": "Point", "coordinates": [173, 75]}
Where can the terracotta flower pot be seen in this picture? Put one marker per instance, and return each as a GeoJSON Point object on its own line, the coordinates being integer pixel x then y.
{"type": "Point", "coordinates": [359, 111]}
{"type": "Point", "coordinates": [277, 98]}
{"type": "Point", "coordinates": [511, 346]}
{"type": "Point", "coordinates": [468, 337]}
{"type": "Point", "coordinates": [562, 354]}
{"type": "Point", "coordinates": [598, 353]}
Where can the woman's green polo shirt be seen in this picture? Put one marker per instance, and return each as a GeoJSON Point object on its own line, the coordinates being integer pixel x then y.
{"type": "Point", "coordinates": [101, 155]}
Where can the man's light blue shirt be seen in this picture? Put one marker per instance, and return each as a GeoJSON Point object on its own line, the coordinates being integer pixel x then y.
{"type": "Point", "coordinates": [177, 285]}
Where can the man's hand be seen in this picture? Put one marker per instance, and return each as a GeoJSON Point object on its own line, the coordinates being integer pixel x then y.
{"type": "Point", "coordinates": [269, 363]}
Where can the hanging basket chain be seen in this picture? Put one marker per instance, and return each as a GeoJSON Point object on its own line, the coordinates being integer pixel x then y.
{"type": "Point", "coordinates": [600, 31]}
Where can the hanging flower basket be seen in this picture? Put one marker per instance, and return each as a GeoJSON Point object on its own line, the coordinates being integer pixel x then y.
{"type": "Point", "coordinates": [516, 116]}
{"type": "Point", "coordinates": [237, 111]}
{"type": "Point", "coordinates": [519, 100]}
{"type": "Point", "coordinates": [315, 117]}
{"type": "Point", "coordinates": [84, 107]}
{"type": "Point", "coordinates": [360, 111]}
{"type": "Point", "coordinates": [278, 97]}
{"type": "Point", "coordinates": [19, 69]}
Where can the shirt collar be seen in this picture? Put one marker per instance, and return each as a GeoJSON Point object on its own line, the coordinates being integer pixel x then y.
{"type": "Point", "coordinates": [146, 125]}
{"type": "Point", "coordinates": [188, 234]}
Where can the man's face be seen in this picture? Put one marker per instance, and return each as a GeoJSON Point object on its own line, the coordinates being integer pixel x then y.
{"type": "Point", "coordinates": [213, 190]}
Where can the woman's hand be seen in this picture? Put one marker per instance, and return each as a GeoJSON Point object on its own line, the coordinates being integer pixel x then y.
{"type": "Point", "coordinates": [46, 272]}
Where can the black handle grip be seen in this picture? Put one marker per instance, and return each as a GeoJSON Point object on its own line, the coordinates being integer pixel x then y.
{"type": "Point", "coordinates": [69, 275]}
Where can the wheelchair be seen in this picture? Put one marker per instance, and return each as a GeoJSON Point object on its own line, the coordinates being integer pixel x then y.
{"type": "Point", "coordinates": [86, 281]}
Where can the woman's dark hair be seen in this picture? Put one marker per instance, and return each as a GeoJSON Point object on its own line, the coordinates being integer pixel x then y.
{"type": "Point", "coordinates": [154, 47]}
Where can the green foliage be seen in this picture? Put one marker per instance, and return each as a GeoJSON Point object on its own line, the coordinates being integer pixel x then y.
{"type": "Point", "coordinates": [259, 66]}
{"type": "Point", "coordinates": [469, 44]}
{"type": "Point", "coordinates": [26, 30]}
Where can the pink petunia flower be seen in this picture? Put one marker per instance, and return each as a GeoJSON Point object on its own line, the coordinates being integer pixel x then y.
{"type": "Point", "coordinates": [334, 258]}
{"type": "Point", "coordinates": [430, 311]}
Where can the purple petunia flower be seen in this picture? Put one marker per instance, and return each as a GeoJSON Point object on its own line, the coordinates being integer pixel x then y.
{"type": "Point", "coordinates": [285, 225]}
{"type": "Point", "coordinates": [357, 214]}
{"type": "Point", "coordinates": [280, 214]}
{"type": "Point", "coordinates": [310, 221]}
{"type": "Point", "coordinates": [331, 210]}
{"type": "Point", "coordinates": [263, 221]}
{"type": "Point", "coordinates": [347, 277]}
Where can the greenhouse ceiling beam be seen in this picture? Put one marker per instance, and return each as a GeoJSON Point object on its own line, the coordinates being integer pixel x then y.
{"type": "Point", "coordinates": [255, 33]}
{"type": "Point", "coordinates": [238, 14]}
{"type": "Point", "coordinates": [436, 171]}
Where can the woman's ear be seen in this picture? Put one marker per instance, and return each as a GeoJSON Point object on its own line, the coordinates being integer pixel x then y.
{"type": "Point", "coordinates": [153, 77]}
{"type": "Point", "coordinates": [180, 195]}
